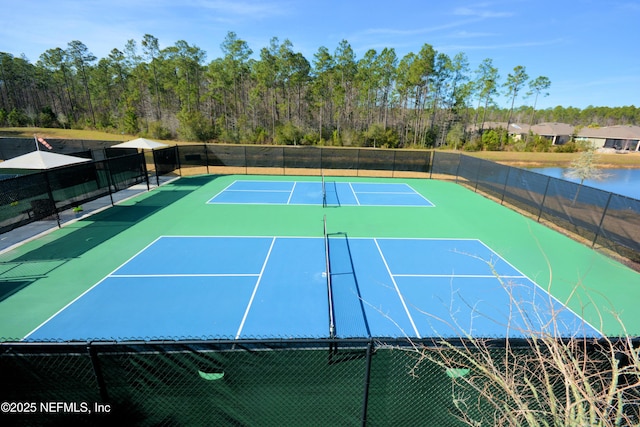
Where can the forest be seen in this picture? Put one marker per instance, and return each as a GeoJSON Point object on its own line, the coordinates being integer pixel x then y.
{"type": "Point", "coordinates": [277, 96]}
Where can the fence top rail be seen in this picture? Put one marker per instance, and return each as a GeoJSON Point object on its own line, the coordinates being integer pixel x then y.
{"type": "Point", "coordinates": [435, 342]}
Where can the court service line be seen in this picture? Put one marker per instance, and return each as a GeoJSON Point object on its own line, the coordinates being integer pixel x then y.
{"type": "Point", "coordinates": [287, 181]}
{"type": "Point", "coordinates": [255, 289]}
{"type": "Point", "coordinates": [462, 276]}
{"type": "Point", "coordinates": [257, 191]}
{"type": "Point", "coordinates": [388, 192]}
{"type": "Point", "coordinates": [425, 199]}
{"type": "Point", "coordinates": [354, 193]}
{"type": "Point", "coordinates": [406, 309]}
{"type": "Point", "coordinates": [291, 192]}
{"type": "Point", "coordinates": [186, 275]}
{"type": "Point", "coordinates": [220, 192]}
{"type": "Point", "coordinates": [420, 194]}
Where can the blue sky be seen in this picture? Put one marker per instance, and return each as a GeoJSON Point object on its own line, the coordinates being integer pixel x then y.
{"type": "Point", "coordinates": [589, 49]}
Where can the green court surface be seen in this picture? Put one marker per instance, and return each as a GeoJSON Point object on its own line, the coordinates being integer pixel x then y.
{"type": "Point", "coordinates": [41, 277]}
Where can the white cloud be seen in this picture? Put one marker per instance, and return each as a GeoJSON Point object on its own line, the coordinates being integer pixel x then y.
{"type": "Point", "coordinates": [256, 9]}
{"type": "Point", "coordinates": [484, 14]}
{"type": "Point", "coordinates": [498, 46]}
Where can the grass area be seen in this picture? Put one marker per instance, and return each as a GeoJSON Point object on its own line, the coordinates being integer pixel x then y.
{"type": "Point", "coordinates": [28, 132]}
{"type": "Point", "coordinates": [512, 158]}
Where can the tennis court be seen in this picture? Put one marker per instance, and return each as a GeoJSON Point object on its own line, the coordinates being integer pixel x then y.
{"type": "Point", "coordinates": [329, 193]}
{"type": "Point", "coordinates": [179, 263]}
{"type": "Point", "coordinates": [279, 287]}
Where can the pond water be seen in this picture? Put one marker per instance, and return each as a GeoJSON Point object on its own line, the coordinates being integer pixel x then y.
{"type": "Point", "coordinates": [625, 182]}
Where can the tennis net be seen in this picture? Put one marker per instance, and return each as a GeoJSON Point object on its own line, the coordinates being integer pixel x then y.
{"type": "Point", "coordinates": [332, 325]}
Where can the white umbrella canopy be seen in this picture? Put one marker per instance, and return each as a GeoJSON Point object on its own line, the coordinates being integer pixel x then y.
{"type": "Point", "coordinates": [41, 160]}
{"type": "Point", "coordinates": [145, 144]}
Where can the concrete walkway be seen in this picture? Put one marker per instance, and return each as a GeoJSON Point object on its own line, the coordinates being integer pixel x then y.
{"type": "Point", "coordinates": [34, 230]}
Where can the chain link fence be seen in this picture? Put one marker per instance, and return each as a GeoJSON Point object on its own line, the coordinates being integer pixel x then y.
{"type": "Point", "coordinates": [602, 219]}
{"type": "Point", "coordinates": [302, 160]}
{"type": "Point", "coordinates": [292, 382]}
{"type": "Point", "coordinates": [35, 196]}
{"type": "Point", "coordinates": [269, 382]}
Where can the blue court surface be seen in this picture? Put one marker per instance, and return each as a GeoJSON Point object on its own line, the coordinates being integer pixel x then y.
{"type": "Point", "coordinates": [277, 287]}
{"type": "Point", "coordinates": [311, 193]}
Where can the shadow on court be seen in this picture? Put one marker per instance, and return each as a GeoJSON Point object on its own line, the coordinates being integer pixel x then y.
{"type": "Point", "coordinates": [10, 287]}
{"type": "Point", "coordinates": [346, 293]}
{"type": "Point", "coordinates": [195, 181]}
{"type": "Point", "coordinates": [80, 237]}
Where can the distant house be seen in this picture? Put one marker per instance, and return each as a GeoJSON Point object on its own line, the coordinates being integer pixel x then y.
{"type": "Point", "coordinates": [558, 133]}
{"type": "Point", "coordinates": [618, 137]}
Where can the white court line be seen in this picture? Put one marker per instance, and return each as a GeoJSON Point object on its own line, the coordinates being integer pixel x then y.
{"type": "Point", "coordinates": [386, 192]}
{"type": "Point", "coordinates": [465, 276]}
{"type": "Point", "coordinates": [88, 290]}
{"type": "Point", "coordinates": [354, 193]}
{"type": "Point", "coordinates": [258, 191]}
{"type": "Point", "coordinates": [186, 275]}
{"type": "Point", "coordinates": [425, 199]}
{"type": "Point", "coordinates": [464, 239]}
{"type": "Point", "coordinates": [397, 289]}
{"type": "Point", "coordinates": [255, 289]}
{"type": "Point", "coordinates": [411, 192]}
{"type": "Point", "coordinates": [220, 192]}
{"type": "Point", "coordinates": [242, 180]}
{"type": "Point", "coordinates": [292, 190]}
{"type": "Point", "coordinates": [563, 305]}
{"type": "Point", "coordinates": [204, 236]}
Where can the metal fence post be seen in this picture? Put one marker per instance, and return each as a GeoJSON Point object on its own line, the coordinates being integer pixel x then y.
{"type": "Point", "coordinates": [51, 198]}
{"type": "Point", "coordinates": [393, 170]}
{"type": "Point", "coordinates": [458, 167]}
{"type": "Point", "coordinates": [110, 180]}
{"type": "Point", "coordinates": [178, 164]}
{"type": "Point", "coordinates": [146, 171]}
{"type": "Point", "coordinates": [246, 166]}
{"type": "Point", "coordinates": [206, 156]}
{"type": "Point", "coordinates": [477, 176]}
{"type": "Point", "coordinates": [97, 372]}
{"type": "Point", "coordinates": [604, 213]}
{"type": "Point", "coordinates": [432, 159]}
{"type": "Point", "coordinates": [544, 197]}
{"type": "Point", "coordinates": [367, 380]}
{"type": "Point", "coordinates": [506, 181]}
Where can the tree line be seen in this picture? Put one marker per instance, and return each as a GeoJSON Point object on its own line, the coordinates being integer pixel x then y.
{"type": "Point", "coordinates": [422, 99]}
